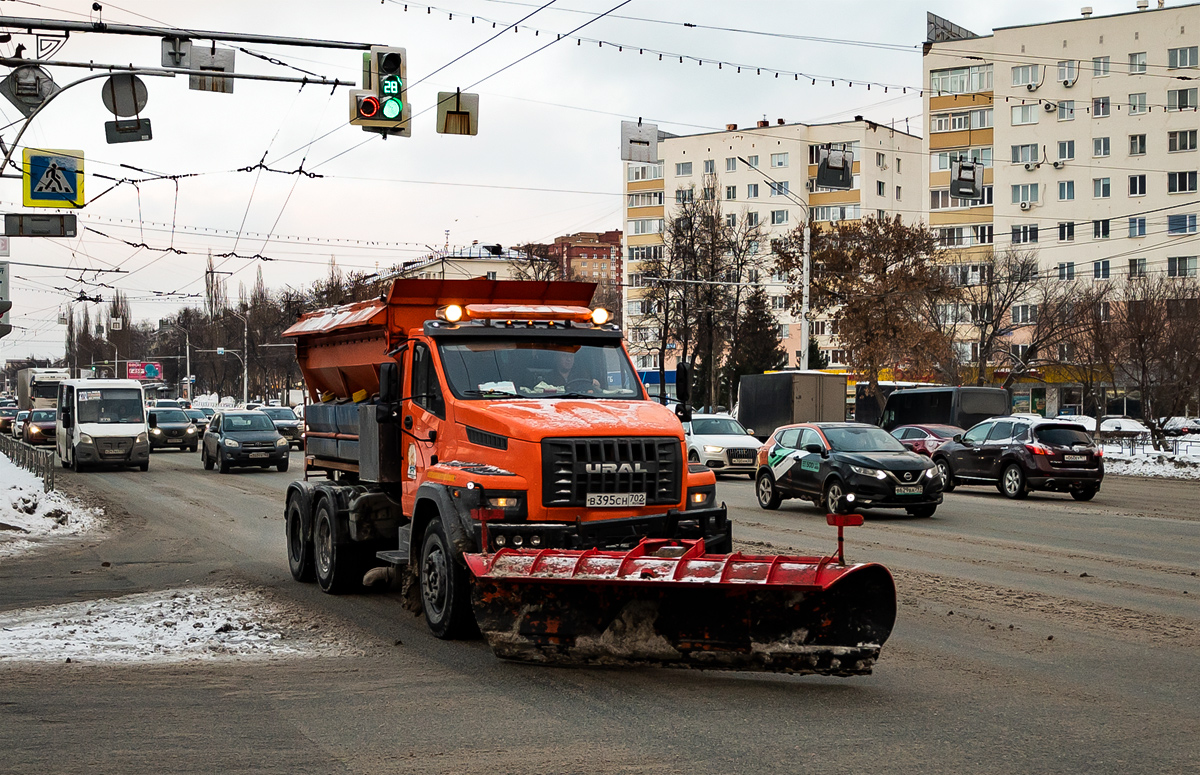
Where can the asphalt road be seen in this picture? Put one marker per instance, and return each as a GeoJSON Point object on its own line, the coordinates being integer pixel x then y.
{"type": "Point", "coordinates": [1034, 637]}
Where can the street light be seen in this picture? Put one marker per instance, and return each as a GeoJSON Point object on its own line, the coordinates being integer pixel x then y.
{"type": "Point", "coordinates": [224, 351]}
{"type": "Point", "coordinates": [246, 350]}
{"type": "Point", "coordinates": [187, 349]}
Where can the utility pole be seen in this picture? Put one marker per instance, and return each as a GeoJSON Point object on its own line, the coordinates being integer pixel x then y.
{"type": "Point", "coordinates": [246, 352]}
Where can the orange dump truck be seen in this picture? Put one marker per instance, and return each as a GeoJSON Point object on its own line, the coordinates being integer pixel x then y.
{"type": "Point", "coordinates": [491, 443]}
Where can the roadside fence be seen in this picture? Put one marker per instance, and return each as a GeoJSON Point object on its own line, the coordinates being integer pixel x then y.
{"type": "Point", "coordinates": [41, 461]}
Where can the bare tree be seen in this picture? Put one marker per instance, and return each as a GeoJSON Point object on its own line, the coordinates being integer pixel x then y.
{"type": "Point", "coordinates": [536, 263]}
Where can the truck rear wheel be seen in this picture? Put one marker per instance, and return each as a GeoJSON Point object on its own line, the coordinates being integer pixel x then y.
{"type": "Point", "coordinates": [299, 547]}
{"type": "Point", "coordinates": [337, 567]}
{"type": "Point", "coordinates": [445, 587]}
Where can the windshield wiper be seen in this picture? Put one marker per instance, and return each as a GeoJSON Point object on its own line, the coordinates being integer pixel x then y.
{"type": "Point", "coordinates": [492, 394]}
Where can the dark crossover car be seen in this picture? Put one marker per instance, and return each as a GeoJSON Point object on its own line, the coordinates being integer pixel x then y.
{"type": "Point", "coordinates": [172, 429]}
{"type": "Point", "coordinates": [198, 418]}
{"type": "Point", "coordinates": [824, 462]}
{"type": "Point", "coordinates": [286, 422]}
{"type": "Point", "coordinates": [7, 415]}
{"type": "Point", "coordinates": [40, 427]}
{"type": "Point", "coordinates": [240, 438]}
{"type": "Point", "coordinates": [924, 439]}
{"type": "Point", "coordinates": [1018, 454]}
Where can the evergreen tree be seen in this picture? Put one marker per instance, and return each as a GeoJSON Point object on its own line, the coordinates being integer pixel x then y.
{"type": "Point", "coordinates": [757, 347]}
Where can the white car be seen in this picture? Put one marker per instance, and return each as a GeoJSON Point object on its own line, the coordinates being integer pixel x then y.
{"type": "Point", "coordinates": [721, 443]}
{"type": "Point", "coordinates": [18, 423]}
{"type": "Point", "coordinates": [1110, 425]}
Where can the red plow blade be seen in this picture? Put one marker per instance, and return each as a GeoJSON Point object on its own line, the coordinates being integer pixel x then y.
{"type": "Point", "coordinates": [667, 603]}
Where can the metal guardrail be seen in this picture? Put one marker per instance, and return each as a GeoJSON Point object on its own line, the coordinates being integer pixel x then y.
{"type": "Point", "coordinates": [1174, 445]}
{"type": "Point", "coordinates": [41, 461]}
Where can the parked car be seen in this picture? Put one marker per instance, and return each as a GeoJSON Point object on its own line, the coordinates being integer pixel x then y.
{"type": "Point", "coordinates": [824, 462]}
{"type": "Point", "coordinates": [7, 415]}
{"type": "Point", "coordinates": [961, 406]}
{"type": "Point", "coordinates": [240, 438]}
{"type": "Point", "coordinates": [172, 429]}
{"type": "Point", "coordinates": [924, 439]}
{"type": "Point", "coordinates": [287, 423]}
{"type": "Point", "coordinates": [41, 427]}
{"type": "Point", "coordinates": [721, 443]}
{"type": "Point", "coordinates": [18, 423]}
{"type": "Point", "coordinates": [1112, 426]}
{"type": "Point", "coordinates": [198, 418]}
{"type": "Point", "coordinates": [1181, 426]}
{"type": "Point", "coordinates": [1019, 455]}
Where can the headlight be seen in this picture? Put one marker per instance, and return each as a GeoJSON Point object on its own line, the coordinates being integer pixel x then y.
{"type": "Point", "coordinates": [156, 431]}
{"type": "Point", "coordinates": [875, 472]}
{"type": "Point", "coordinates": [281, 443]}
{"type": "Point", "coordinates": [503, 502]}
{"type": "Point", "coordinates": [932, 472]}
{"type": "Point", "coordinates": [85, 439]}
{"type": "Point", "coordinates": [142, 438]}
{"type": "Point", "coordinates": [34, 429]}
{"type": "Point", "coordinates": [712, 450]}
{"type": "Point", "coordinates": [191, 429]}
{"type": "Point", "coordinates": [230, 443]}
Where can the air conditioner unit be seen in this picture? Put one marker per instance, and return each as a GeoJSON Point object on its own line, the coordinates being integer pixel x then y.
{"type": "Point", "coordinates": [1058, 165]}
{"type": "Point", "coordinates": [1032, 86]}
{"type": "Point", "coordinates": [1050, 107]}
{"type": "Point", "coordinates": [1026, 205]}
{"type": "Point", "coordinates": [1030, 166]}
{"type": "Point", "coordinates": [811, 185]}
{"type": "Point", "coordinates": [1069, 82]}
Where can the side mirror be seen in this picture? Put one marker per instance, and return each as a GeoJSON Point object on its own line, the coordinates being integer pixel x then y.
{"type": "Point", "coordinates": [683, 383]}
{"type": "Point", "coordinates": [389, 382]}
{"type": "Point", "coordinates": [958, 438]}
{"type": "Point", "coordinates": [749, 431]}
{"type": "Point", "coordinates": [683, 412]}
{"type": "Point", "coordinates": [815, 449]}
{"type": "Point", "coordinates": [152, 421]}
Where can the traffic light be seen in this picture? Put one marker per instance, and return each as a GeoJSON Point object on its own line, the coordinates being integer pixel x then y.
{"type": "Point", "coordinates": [382, 105]}
{"type": "Point", "coordinates": [5, 328]}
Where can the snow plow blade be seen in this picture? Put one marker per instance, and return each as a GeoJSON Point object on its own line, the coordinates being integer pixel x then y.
{"type": "Point", "coordinates": [667, 603]}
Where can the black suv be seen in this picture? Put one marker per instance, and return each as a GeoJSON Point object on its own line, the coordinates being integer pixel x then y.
{"type": "Point", "coordinates": [241, 438]}
{"type": "Point", "coordinates": [1019, 455]}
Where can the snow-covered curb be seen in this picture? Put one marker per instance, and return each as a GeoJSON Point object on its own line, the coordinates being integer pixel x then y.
{"type": "Point", "coordinates": [30, 517]}
{"type": "Point", "coordinates": [1162, 465]}
{"type": "Point", "coordinates": [196, 624]}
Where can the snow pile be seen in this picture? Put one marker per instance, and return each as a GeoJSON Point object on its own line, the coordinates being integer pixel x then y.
{"type": "Point", "coordinates": [29, 516]}
{"type": "Point", "coordinates": [1163, 465]}
{"type": "Point", "coordinates": [181, 625]}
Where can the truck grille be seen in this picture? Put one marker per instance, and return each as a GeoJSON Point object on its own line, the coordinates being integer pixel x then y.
{"type": "Point", "coordinates": [573, 468]}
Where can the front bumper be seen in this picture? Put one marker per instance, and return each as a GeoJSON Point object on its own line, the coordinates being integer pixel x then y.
{"type": "Point", "coordinates": [870, 492]}
{"type": "Point", "coordinates": [174, 442]}
{"type": "Point", "coordinates": [238, 457]}
{"type": "Point", "coordinates": [722, 462]}
{"type": "Point", "coordinates": [90, 454]}
{"type": "Point", "coordinates": [711, 524]}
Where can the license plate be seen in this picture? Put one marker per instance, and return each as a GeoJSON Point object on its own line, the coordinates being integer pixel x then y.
{"type": "Point", "coordinates": [1075, 458]}
{"type": "Point", "coordinates": [112, 452]}
{"type": "Point", "coordinates": [174, 441]}
{"type": "Point", "coordinates": [615, 500]}
{"type": "Point", "coordinates": [909, 490]}
{"type": "Point", "coordinates": [259, 454]}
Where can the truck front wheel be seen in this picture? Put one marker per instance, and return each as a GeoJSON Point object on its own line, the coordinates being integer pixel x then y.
{"type": "Point", "coordinates": [445, 587]}
{"type": "Point", "coordinates": [336, 567]}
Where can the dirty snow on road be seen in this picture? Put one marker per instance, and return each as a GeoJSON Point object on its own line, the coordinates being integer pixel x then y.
{"type": "Point", "coordinates": [30, 517]}
{"type": "Point", "coordinates": [182, 625]}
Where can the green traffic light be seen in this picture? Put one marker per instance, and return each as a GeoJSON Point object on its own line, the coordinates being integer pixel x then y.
{"type": "Point", "coordinates": [392, 108]}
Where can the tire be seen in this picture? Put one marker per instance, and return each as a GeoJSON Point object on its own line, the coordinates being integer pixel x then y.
{"type": "Point", "coordinates": [299, 546]}
{"type": "Point", "coordinates": [208, 463]}
{"type": "Point", "coordinates": [1084, 493]}
{"type": "Point", "coordinates": [282, 466]}
{"type": "Point", "coordinates": [751, 476]}
{"type": "Point", "coordinates": [922, 512]}
{"type": "Point", "coordinates": [222, 463]}
{"type": "Point", "coordinates": [76, 466]}
{"type": "Point", "coordinates": [693, 457]}
{"type": "Point", "coordinates": [335, 564]}
{"type": "Point", "coordinates": [1012, 482]}
{"type": "Point", "coordinates": [144, 466]}
{"type": "Point", "coordinates": [948, 483]}
{"type": "Point", "coordinates": [193, 448]}
{"type": "Point", "coordinates": [445, 587]}
{"type": "Point", "coordinates": [834, 491]}
{"type": "Point", "coordinates": [766, 491]}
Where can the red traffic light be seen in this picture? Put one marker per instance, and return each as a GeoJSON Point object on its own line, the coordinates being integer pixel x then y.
{"type": "Point", "coordinates": [368, 106]}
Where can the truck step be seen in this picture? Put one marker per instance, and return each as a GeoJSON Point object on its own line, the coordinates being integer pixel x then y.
{"type": "Point", "coordinates": [393, 557]}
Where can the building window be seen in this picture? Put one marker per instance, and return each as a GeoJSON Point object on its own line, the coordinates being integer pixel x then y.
{"type": "Point", "coordinates": [1184, 140]}
{"type": "Point", "coordinates": [1025, 192]}
{"type": "Point", "coordinates": [779, 302]}
{"type": "Point", "coordinates": [1101, 146]}
{"type": "Point", "coordinates": [1137, 267]}
{"type": "Point", "coordinates": [731, 221]}
{"type": "Point", "coordinates": [731, 192]}
{"type": "Point", "coordinates": [1066, 70]}
{"type": "Point", "coordinates": [983, 234]}
{"type": "Point", "coordinates": [1066, 231]}
{"type": "Point", "coordinates": [684, 195]}
{"type": "Point", "coordinates": [710, 167]}
{"type": "Point", "coordinates": [834, 213]}
{"type": "Point", "coordinates": [881, 159]}
{"type": "Point", "coordinates": [1024, 75]}
{"type": "Point", "coordinates": [491, 275]}
{"type": "Point", "coordinates": [1181, 57]}
{"type": "Point", "coordinates": [1101, 188]}
{"type": "Point", "coordinates": [1066, 110]}
{"type": "Point", "coordinates": [646, 199]}
{"type": "Point", "coordinates": [1137, 185]}
{"type": "Point", "coordinates": [1066, 270]}
{"type": "Point", "coordinates": [1066, 190]}
{"type": "Point", "coordinates": [1179, 182]}
{"type": "Point", "coordinates": [683, 168]}
{"type": "Point", "coordinates": [1137, 63]}
{"type": "Point", "coordinates": [897, 193]}
{"type": "Point", "coordinates": [1066, 150]}
{"type": "Point", "coordinates": [1137, 227]}
{"type": "Point", "coordinates": [752, 160]}
{"type": "Point", "coordinates": [1100, 67]}
{"type": "Point", "coordinates": [1100, 270]}
{"type": "Point", "coordinates": [1181, 223]}
{"type": "Point", "coordinates": [1181, 266]}
{"type": "Point", "coordinates": [897, 165]}
{"type": "Point", "coordinates": [731, 164]}
{"type": "Point", "coordinates": [708, 193]}
{"type": "Point", "coordinates": [779, 189]}
{"type": "Point", "coordinates": [1181, 99]}
{"type": "Point", "coordinates": [1137, 145]}
{"type": "Point", "coordinates": [647, 225]}
{"type": "Point", "coordinates": [942, 160]}
{"type": "Point", "coordinates": [1024, 313]}
{"type": "Point", "coordinates": [1137, 104]}
{"type": "Point", "coordinates": [1024, 234]}
{"type": "Point", "coordinates": [1025, 154]}
{"type": "Point", "coordinates": [1025, 114]}
{"type": "Point", "coordinates": [961, 80]}
{"type": "Point", "coordinates": [647, 362]}
{"type": "Point", "coordinates": [779, 217]}
{"type": "Point", "coordinates": [645, 172]}
{"type": "Point", "coordinates": [751, 219]}
{"type": "Point", "coordinates": [779, 160]}
{"type": "Point", "coordinates": [1100, 229]}
{"type": "Point", "coordinates": [881, 188]}
{"type": "Point", "coordinates": [752, 191]}
{"type": "Point", "coordinates": [1101, 107]}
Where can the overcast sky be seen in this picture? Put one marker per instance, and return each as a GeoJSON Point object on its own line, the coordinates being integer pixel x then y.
{"type": "Point", "coordinates": [545, 162]}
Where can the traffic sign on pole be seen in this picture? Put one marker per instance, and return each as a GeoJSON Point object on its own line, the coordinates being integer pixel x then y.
{"type": "Point", "coordinates": [52, 178]}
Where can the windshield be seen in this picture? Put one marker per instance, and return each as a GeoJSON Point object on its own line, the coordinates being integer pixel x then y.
{"type": "Point", "coordinates": [208, 412]}
{"type": "Point", "coordinates": [171, 415]}
{"type": "Point", "coordinates": [247, 422]}
{"type": "Point", "coordinates": [195, 414]}
{"type": "Point", "coordinates": [110, 405]}
{"type": "Point", "coordinates": [490, 369]}
{"type": "Point", "coordinates": [864, 439]}
{"type": "Point", "coordinates": [8, 412]}
{"type": "Point", "coordinates": [1062, 435]}
{"type": "Point", "coordinates": [43, 415]}
{"type": "Point", "coordinates": [279, 413]}
{"type": "Point", "coordinates": [22, 415]}
{"type": "Point", "coordinates": [44, 390]}
{"type": "Point", "coordinates": [702, 426]}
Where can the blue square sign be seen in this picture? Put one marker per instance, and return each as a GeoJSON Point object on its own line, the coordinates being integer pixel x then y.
{"type": "Point", "coordinates": [52, 178]}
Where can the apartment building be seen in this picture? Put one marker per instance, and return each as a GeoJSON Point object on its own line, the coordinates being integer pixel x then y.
{"type": "Point", "coordinates": [1087, 132]}
{"type": "Point", "coordinates": [489, 261]}
{"type": "Point", "coordinates": [766, 173]}
{"type": "Point", "coordinates": [589, 255]}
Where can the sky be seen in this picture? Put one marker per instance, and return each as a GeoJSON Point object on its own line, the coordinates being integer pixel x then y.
{"type": "Point", "coordinates": [545, 162]}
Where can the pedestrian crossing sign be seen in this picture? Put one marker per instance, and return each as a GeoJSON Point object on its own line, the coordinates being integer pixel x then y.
{"type": "Point", "coordinates": [52, 178]}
